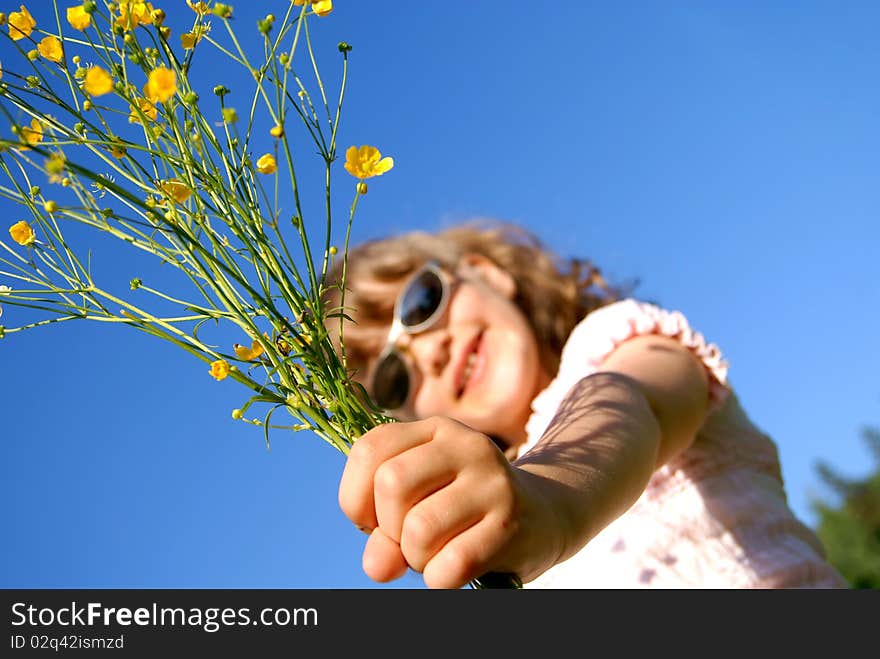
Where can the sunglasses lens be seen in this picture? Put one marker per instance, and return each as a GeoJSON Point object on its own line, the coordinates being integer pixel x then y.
{"type": "Point", "coordinates": [421, 299]}
{"type": "Point", "coordinates": [391, 382]}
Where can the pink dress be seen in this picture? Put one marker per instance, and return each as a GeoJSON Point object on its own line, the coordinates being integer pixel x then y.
{"type": "Point", "coordinates": [716, 515]}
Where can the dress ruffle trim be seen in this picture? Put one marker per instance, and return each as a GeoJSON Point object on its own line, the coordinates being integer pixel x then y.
{"type": "Point", "coordinates": [596, 337]}
{"type": "Point", "coordinates": [606, 328]}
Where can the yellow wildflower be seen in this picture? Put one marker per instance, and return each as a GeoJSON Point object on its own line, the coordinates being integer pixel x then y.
{"type": "Point", "coordinates": [320, 7]}
{"type": "Point", "coordinates": [55, 164]}
{"type": "Point", "coordinates": [266, 164]}
{"type": "Point", "coordinates": [133, 13]}
{"type": "Point", "coordinates": [78, 18]}
{"type": "Point", "coordinates": [50, 48]}
{"type": "Point", "coordinates": [366, 162]}
{"type": "Point", "coordinates": [276, 131]}
{"type": "Point", "coordinates": [189, 40]}
{"type": "Point", "coordinates": [21, 24]}
{"type": "Point", "coordinates": [177, 190]}
{"type": "Point", "coordinates": [33, 134]}
{"type": "Point", "coordinates": [161, 84]}
{"type": "Point", "coordinates": [22, 233]}
{"type": "Point", "coordinates": [248, 354]}
{"type": "Point", "coordinates": [146, 107]}
{"type": "Point", "coordinates": [219, 369]}
{"type": "Point", "coordinates": [97, 82]}
{"type": "Point", "coordinates": [117, 150]}
{"type": "Point", "coordinates": [201, 8]}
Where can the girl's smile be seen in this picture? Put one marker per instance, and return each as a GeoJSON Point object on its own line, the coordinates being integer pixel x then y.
{"type": "Point", "coordinates": [479, 362]}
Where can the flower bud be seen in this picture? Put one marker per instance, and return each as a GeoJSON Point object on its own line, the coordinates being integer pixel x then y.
{"type": "Point", "coordinates": [221, 91]}
{"type": "Point", "coordinates": [50, 206]}
{"type": "Point", "coordinates": [362, 187]}
{"type": "Point", "coordinates": [222, 11]}
{"type": "Point", "coordinates": [135, 283]}
{"type": "Point", "coordinates": [2, 18]}
{"type": "Point", "coordinates": [87, 105]}
{"type": "Point", "coordinates": [237, 414]}
{"type": "Point", "coordinates": [158, 17]}
{"type": "Point", "coordinates": [35, 190]}
{"type": "Point", "coordinates": [32, 55]}
{"type": "Point", "coordinates": [344, 47]}
{"type": "Point", "coordinates": [276, 131]}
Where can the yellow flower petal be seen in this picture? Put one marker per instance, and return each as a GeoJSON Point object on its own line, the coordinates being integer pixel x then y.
{"type": "Point", "coordinates": [219, 369]}
{"type": "Point", "coordinates": [21, 24]}
{"type": "Point", "coordinates": [366, 162]}
{"type": "Point", "coordinates": [201, 8]}
{"type": "Point", "coordinates": [248, 354]}
{"type": "Point", "coordinates": [266, 164]}
{"type": "Point", "coordinates": [22, 233]}
{"type": "Point", "coordinates": [161, 84]}
{"type": "Point", "coordinates": [177, 190]}
{"type": "Point", "coordinates": [189, 40]}
{"type": "Point", "coordinates": [322, 7]}
{"type": "Point", "coordinates": [97, 81]}
{"type": "Point", "coordinates": [33, 134]}
{"type": "Point", "coordinates": [146, 107]}
{"type": "Point", "coordinates": [50, 48]}
{"type": "Point", "coordinates": [78, 18]}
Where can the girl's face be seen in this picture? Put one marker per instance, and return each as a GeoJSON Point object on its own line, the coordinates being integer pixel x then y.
{"type": "Point", "coordinates": [479, 363]}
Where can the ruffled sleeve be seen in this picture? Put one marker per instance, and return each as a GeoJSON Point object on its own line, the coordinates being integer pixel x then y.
{"type": "Point", "coordinates": [596, 337]}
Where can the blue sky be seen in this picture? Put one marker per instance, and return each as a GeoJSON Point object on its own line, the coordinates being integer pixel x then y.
{"type": "Point", "coordinates": [723, 154]}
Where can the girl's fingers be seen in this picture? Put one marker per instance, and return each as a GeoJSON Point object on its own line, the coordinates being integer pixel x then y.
{"type": "Point", "coordinates": [382, 560]}
{"type": "Point", "coordinates": [466, 556]}
{"type": "Point", "coordinates": [432, 522]}
{"type": "Point", "coordinates": [367, 454]}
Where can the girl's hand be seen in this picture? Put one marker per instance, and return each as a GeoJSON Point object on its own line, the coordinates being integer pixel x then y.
{"type": "Point", "coordinates": [441, 498]}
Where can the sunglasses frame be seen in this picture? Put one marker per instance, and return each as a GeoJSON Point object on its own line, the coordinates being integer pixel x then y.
{"type": "Point", "coordinates": [398, 328]}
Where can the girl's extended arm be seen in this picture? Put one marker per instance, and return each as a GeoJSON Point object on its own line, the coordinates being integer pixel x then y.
{"type": "Point", "coordinates": [439, 497]}
{"type": "Point", "coordinates": [612, 431]}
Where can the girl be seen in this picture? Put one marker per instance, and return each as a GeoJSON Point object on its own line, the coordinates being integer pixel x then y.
{"type": "Point", "coordinates": [551, 428]}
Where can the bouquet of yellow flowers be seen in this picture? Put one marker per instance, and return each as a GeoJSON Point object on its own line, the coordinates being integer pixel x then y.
{"type": "Point", "coordinates": [114, 132]}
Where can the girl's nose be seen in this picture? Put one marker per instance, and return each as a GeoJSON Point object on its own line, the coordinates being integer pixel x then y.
{"type": "Point", "coordinates": [429, 350]}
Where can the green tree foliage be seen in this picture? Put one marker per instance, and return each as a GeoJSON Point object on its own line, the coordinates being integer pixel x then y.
{"type": "Point", "coordinates": [850, 527]}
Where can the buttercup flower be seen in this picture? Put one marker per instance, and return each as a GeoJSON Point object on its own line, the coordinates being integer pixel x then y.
{"type": "Point", "coordinates": [161, 84]}
{"type": "Point", "coordinates": [55, 167]}
{"type": "Point", "coordinates": [248, 354]}
{"type": "Point", "coordinates": [219, 369]}
{"type": "Point", "coordinates": [97, 82]}
{"type": "Point", "coordinates": [132, 14]}
{"type": "Point", "coordinates": [22, 233]}
{"type": "Point", "coordinates": [146, 107]}
{"type": "Point", "coordinates": [201, 8]}
{"type": "Point", "coordinates": [21, 24]}
{"type": "Point", "coordinates": [50, 48]}
{"type": "Point", "coordinates": [320, 7]}
{"type": "Point", "coordinates": [177, 190]}
{"type": "Point", "coordinates": [266, 164]}
{"type": "Point", "coordinates": [189, 40]}
{"type": "Point", "coordinates": [33, 134]}
{"type": "Point", "coordinates": [78, 18]}
{"type": "Point", "coordinates": [366, 162]}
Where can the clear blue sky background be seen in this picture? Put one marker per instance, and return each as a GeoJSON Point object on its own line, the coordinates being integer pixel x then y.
{"type": "Point", "coordinates": [725, 154]}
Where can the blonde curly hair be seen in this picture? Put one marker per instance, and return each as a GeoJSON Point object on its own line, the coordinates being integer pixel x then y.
{"type": "Point", "coordinates": [553, 294]}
